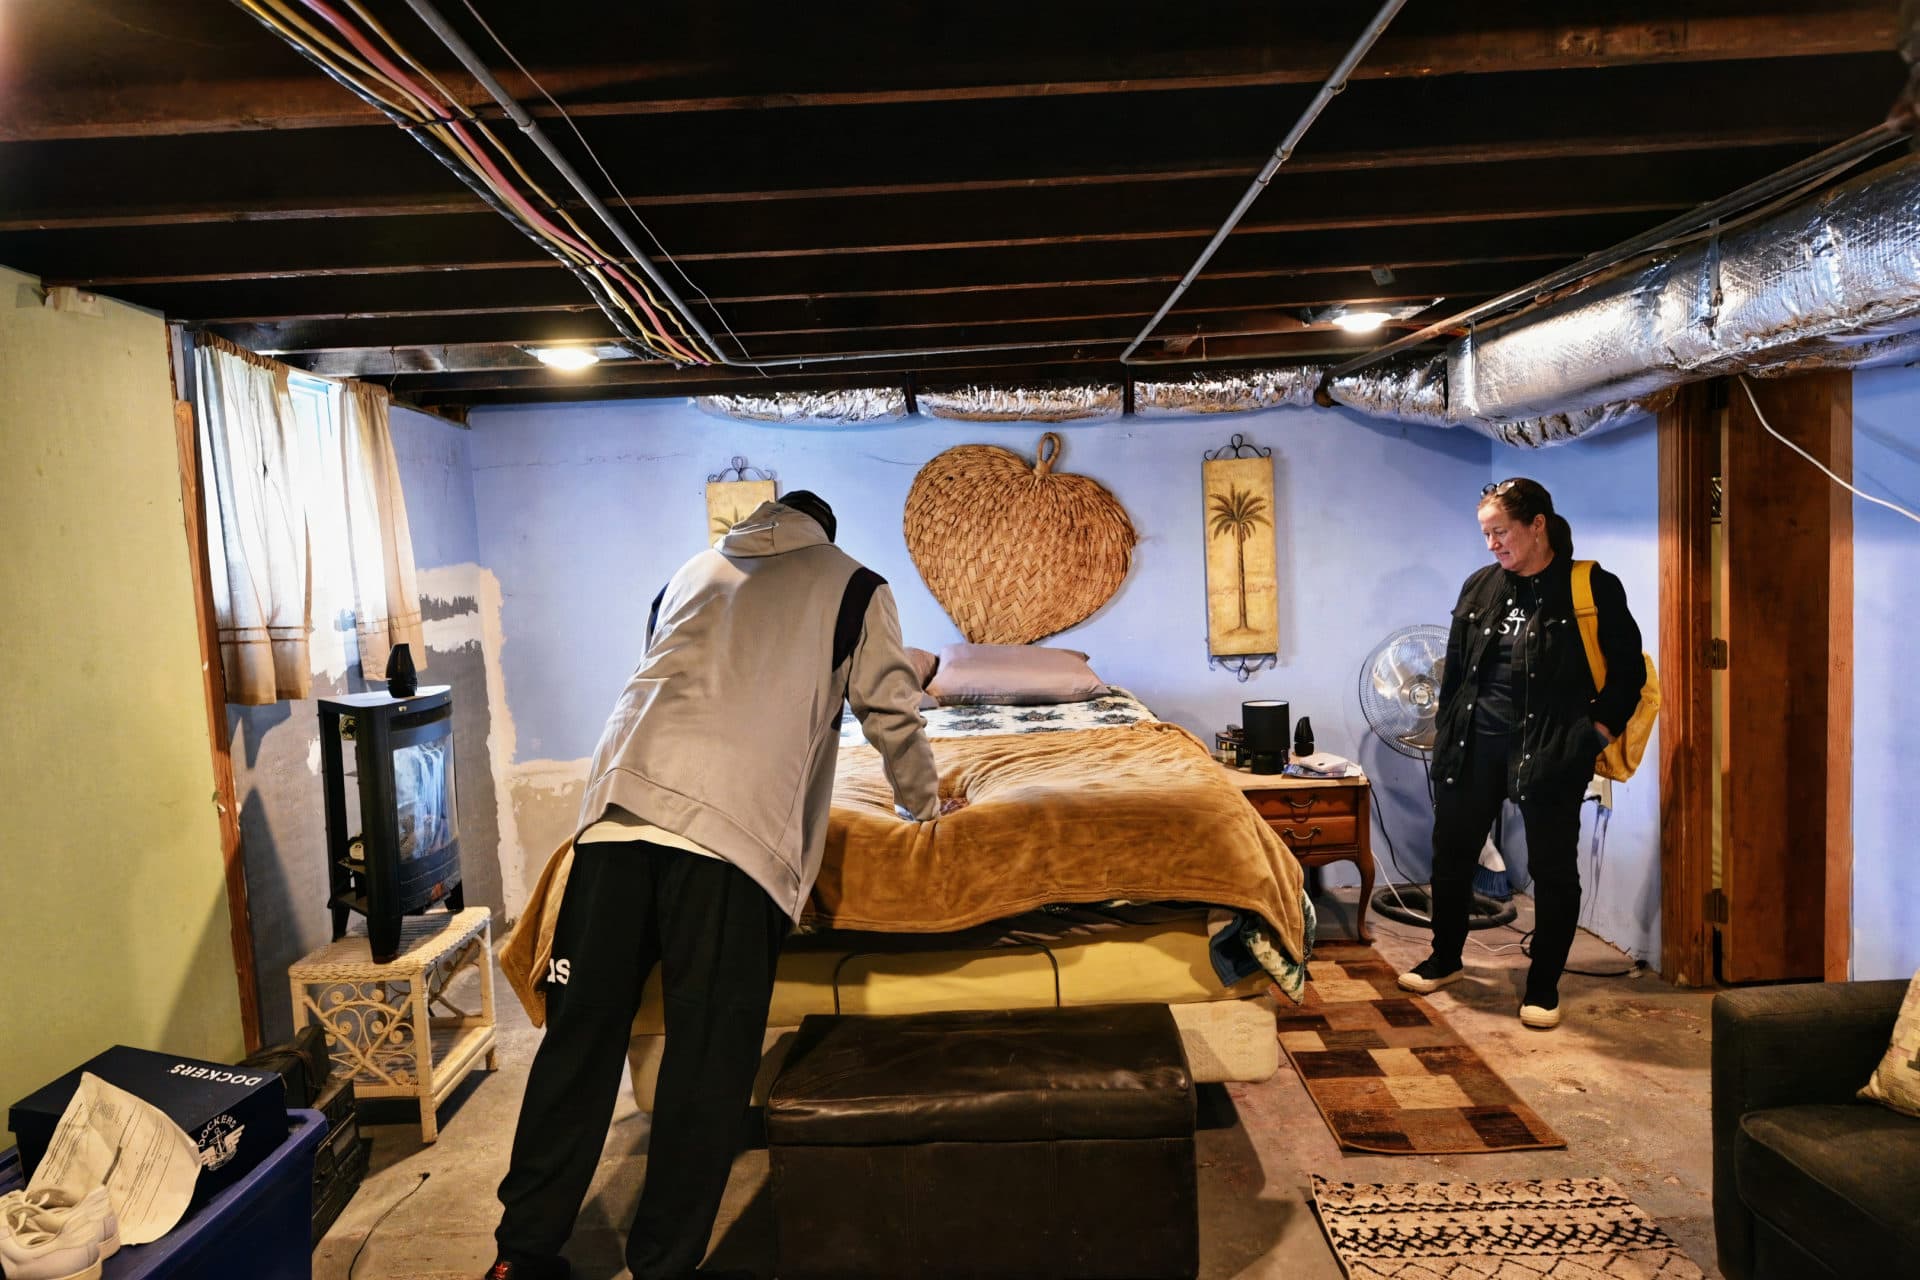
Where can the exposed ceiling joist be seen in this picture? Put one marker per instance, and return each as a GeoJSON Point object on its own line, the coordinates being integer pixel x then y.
{"type": "Point", "coordinates": [914, 179]}
{"type": "Point", "coordinates": [902, 58]}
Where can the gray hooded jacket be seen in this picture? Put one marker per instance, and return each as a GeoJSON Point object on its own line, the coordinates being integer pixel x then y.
{"type": "Point", "coordinates": [728, 730]}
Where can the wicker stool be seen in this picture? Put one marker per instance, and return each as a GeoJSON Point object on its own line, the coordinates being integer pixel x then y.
{"type": "Point", "coordinates": [381, 1021]}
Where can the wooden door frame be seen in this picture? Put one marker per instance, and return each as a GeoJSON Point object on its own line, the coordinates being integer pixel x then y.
{"type": "Point", "coordinates": [1689, 452]}
{"type": "Point", "coordinates": [214, 682]}
{"type": "Point", "coordinates": [1688, 444]}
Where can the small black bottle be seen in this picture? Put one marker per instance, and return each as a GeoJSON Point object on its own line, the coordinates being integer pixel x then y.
{"type": "Point", "coordinates": [402, 680]}
{"type": "Point", "coordinates": [1303, 738]}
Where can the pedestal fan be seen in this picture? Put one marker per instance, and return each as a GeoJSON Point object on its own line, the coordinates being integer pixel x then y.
{"type": "Point", "coordinates": [1400, 697]}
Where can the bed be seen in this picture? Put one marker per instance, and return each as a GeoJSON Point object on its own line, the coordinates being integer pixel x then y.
{"type": "Point", "coordinates": [1101, 857]}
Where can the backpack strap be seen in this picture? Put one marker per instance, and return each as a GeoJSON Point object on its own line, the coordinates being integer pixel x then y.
{"type": "Point", "coordinates": [1587, 615]}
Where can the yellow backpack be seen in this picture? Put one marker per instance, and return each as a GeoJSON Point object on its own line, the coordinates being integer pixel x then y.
{"type": "Point", "coordinates": [1622, 755]}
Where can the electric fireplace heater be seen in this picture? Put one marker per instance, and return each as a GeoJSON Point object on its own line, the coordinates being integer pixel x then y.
{"type": "Point", "coordinates": [393, 833]}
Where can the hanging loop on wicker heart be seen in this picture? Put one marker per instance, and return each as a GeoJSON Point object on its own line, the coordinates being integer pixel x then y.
{"type": "Point", "coordinates": [1045, 457]}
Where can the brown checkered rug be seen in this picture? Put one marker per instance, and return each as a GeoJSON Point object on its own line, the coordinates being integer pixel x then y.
{"type": "Point", "coordinates": [1389, 1074]}
{"type": "Point", "coordinates": [1551, 1229]}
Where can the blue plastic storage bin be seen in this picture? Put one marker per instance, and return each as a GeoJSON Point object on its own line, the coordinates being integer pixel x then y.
{"type": "Point", "coordinates": [260, 1228]}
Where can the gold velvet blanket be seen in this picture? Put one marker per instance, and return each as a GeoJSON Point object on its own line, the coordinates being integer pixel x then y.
{"type": "Point", "coordinates": [1140, 813]}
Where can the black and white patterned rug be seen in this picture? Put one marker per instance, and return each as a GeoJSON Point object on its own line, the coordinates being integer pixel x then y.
{"type": "Point", "coordinates": [1563, 1228]}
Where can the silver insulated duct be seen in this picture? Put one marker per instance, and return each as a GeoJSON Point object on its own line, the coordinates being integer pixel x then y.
{"type": "Point", "coordinates": [1226, 392]}
{"type": "Point", "coordinates": [794, 408]}
{"type": "Point", "coordinates": [1832, 282]}
{"type": "Point", "coordinates": [1090, 403]}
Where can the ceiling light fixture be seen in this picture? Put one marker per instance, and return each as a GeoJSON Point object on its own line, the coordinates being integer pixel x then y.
{"type": "Point", "coordinates": [569, 358]}
{"type": "Point", "coordinates": [1361, 321]}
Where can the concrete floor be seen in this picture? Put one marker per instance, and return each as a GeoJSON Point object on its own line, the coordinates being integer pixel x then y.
{"type": "Point", "coordinates": [1624, 1081]}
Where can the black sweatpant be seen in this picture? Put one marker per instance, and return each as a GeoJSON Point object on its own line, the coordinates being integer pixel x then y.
{"type": "Point", "coordinates": [716, 936]}
{"type": "Point", "coordinates": [1462, 817]}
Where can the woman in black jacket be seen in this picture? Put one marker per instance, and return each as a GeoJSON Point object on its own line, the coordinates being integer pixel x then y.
{"type": "Point", "coordinates": [1521, 720]}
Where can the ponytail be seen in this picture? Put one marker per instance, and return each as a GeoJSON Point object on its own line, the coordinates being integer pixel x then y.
{"type": "Point", "coordinates": [1560, 535]}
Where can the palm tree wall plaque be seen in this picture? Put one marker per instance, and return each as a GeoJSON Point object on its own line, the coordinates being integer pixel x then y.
{"type": "Point", "coordinates": [1236, 514]}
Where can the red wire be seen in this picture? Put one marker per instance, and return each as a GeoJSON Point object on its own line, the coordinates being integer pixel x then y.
{"type": "Point", "coordinates": [426, 100]}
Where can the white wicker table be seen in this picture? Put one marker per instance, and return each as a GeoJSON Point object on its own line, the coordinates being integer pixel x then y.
{"type": "Point", "coordinates": [391, 1026]}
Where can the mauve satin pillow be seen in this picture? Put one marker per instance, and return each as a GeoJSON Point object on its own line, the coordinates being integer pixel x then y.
{"type": "Point", "coordinates": [1014, 674]}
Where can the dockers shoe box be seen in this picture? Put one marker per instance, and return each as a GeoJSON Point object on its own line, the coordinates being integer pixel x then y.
{"type": "Point", "coordinates": [237, 1115]}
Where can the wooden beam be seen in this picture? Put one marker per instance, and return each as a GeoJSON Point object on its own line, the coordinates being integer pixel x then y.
{"type": "Point", "coordinates": [1642, 185]}
{"type": "Point", "coordinates": [1689, 460]}
{"type": "Point", "coordinates": [101, 260]}
{"type": "Point", "coordinates": [211, 206]}
{"type": "Point", "coordinates": [1838, 951]}
{"type": "Point", "coordinates": [214, 682]}
{"type": "Point", "coordinates": [1248, 335]}
{"type": "Point", "coordinates": [748, 155]}
{"type": "Point", "coordinates": [644, 378]}
{"type": "Point", "coordinates": [780, 67]}
{"type": "Point", "coordinates": [453, 293]}
{"type": "Point", "coordinates": [1241, 306]}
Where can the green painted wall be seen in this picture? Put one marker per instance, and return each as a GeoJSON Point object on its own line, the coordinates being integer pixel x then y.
{"type": "Point", "coordinates": [113, 915]}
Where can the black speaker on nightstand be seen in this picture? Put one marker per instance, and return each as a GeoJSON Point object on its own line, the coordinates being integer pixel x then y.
{"type": "Point", "coordinates": [1267, 730]}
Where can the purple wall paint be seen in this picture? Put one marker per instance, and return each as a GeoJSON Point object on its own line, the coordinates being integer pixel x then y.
{"type": "Point", "coordinates": [1886, 724]}
{"type": "Point", "coordinates": [585, 510]}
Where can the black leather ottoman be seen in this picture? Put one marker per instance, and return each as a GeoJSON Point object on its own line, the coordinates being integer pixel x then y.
{"type": "Point", "coordinates": [1039, 1143]}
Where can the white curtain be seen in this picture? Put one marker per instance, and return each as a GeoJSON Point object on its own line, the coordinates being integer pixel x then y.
{"type": "Point", "coordinates": [386, 594]}
{"type": "Point", "coordinates": [259, 561]}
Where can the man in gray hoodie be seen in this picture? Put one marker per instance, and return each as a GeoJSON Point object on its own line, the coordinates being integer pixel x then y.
{"type": "Point", "coordinates": [702, 832]}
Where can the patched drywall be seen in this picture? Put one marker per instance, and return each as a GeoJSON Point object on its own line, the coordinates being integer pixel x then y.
{"type": "Point", "coordinates": [276, 749]}
{"type": "Point", "coordinates": [114, 926]}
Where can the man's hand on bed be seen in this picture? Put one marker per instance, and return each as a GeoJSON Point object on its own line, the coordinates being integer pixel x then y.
{"type": "Point", "coordinates": [947, 806]}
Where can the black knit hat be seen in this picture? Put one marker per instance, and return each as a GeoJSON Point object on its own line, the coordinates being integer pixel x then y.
{"type": "Point", "coordinates": [808, 503]}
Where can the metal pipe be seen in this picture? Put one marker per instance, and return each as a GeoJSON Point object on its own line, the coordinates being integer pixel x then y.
{"type": "Point", "coordinates": [1334, 84]}
{"type": "Point", "coordinates": [1836, 157]}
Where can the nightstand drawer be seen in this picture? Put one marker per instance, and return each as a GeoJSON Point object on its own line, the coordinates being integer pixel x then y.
{"type": "Point", "coordinates": [1317, 831]}
{"type": "Point", "coordinates": [1308, 806]}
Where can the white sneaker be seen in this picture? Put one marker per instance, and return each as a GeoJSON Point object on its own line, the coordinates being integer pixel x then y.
{"type": "Point", "coordinates": [1540, 1019]}
{"type": "Point", "coordinates": [48, 1235]}
{"type": "Point", "coordinates": [32, 1249]}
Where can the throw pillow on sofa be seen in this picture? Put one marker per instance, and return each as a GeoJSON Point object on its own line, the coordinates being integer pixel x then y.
{"type": "Point", "coordinates": [1896, 1081]}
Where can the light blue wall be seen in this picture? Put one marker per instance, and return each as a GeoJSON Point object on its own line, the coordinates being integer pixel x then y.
{"type": "Point", "coordinates": [436, 475]}
{"type": "Point", "coordinates": [1886, 725]}
{"type": "Point", "coordinates": [585, 509]}
{"type": "Point", "coordinates": [1608, 488]}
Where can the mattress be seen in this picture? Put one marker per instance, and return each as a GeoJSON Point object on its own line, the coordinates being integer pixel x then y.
{"type": "Point", "coordinates": [1165, 963]}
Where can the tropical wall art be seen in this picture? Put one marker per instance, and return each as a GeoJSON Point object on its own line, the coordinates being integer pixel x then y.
{"type": "Point", "coordinates": [731, 501]}
{"type": "Point", "coordinates": [1243, 592]}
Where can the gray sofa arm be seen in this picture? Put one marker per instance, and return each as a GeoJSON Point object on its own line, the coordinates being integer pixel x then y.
{"type": "Point", "coordinates": [1784, 1046]}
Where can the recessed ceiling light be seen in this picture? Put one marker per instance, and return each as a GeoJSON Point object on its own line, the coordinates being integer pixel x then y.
{"type": "Point", "coordinates": [566, 357]}
{"type": "Point", "coordinates": [1361, 321]}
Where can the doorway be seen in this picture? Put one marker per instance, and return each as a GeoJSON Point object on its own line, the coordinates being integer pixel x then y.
{"type": "Point", "coordinates": [1756, 654]}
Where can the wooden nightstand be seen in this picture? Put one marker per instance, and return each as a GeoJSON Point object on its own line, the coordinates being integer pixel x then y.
{"type": "Point", "coordinates": [1322, 820]}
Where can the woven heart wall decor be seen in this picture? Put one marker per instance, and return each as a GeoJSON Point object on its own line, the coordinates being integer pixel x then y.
{"type": "Point", "coordinates": [1015, 552]}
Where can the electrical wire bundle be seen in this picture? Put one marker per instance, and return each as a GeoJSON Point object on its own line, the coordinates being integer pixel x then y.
{"type": "Point", "coordinates": [369, 63]}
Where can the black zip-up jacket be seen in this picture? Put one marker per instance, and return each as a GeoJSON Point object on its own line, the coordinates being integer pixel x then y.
{"type": "Point", "coordinates": [1555, 703]}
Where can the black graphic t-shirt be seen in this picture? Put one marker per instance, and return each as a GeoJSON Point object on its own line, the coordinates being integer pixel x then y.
{"type": "Point", "coordinates": [1495, 710]}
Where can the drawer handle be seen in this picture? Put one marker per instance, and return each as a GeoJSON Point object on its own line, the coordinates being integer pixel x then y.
{"type": "Point", "coordinates": [1299, 806]}
{"type": "Point", "coordinates": [1290, 834]}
